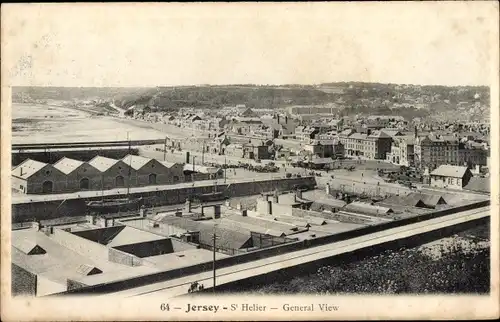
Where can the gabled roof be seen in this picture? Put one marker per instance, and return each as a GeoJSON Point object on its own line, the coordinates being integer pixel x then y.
{"type": "Point", "coordinates": [368, 208]}
{"type": "Point", "coordinates": [422, 200]}
{"type": "Point", "coordinates": [379, 134]}
{"type": "Point", "coordinates": [169, 164]}
{"type": "Point", "coordinates": [262, 226]}
{"type": "Point", "coordinates": [135, 161]}
{"type": "Point", "coordinates": [392, 132]}
{"type": "Point", "coordinates": [327, 204]}
{"type": "Point", "coordinates": [67, 165]}
{"type": "Point", "coordinates": [184, 223]}
{"type": "Point", "coordinates": [447, 170]}
{"type": "Point", "coordinates": [227, 239]}
{"type": "Point", "coordinates": [317, 221]}
{"type": "Point", "coordinates": [28, 168]}
{"type": "Point", "coordinates": [102, 163]}
{"type": "Point", "coordinates": [129, 235]}
{"type": "Point", "coordinates": [195, 118]}
{"type": "Point", "coordinates": [28, 247]}
{"type": "Point", "coordinates": [478, 184]}
{"type": "Point", "coordinates": [358, 136]}
{"type": "Point", "coordinates": [409, 139]}
{"type": "Point", "coordinates": [200, 168]}
{"type": "Point", "coordinates": [347, 132]}
{"type": "Point", "coordinates": [87, 270]}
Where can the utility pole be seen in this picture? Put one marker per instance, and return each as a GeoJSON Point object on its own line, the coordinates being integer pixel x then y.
{"type": "Point", "coordinates": [214, 237]}
{"type": "Point", "coordinates": [203, 153]}
{"type": "Point", "coordinates": [165, 149]}
{"type": "Point", "coordinates": [192, 176]}
{"type": "Point", "coordinates": [225, 168]}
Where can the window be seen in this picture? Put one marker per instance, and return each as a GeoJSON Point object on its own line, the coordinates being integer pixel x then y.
{"type": "Point", "coordinates": [47, 187]}
{"type": "Point", "coordinates": [119, 181]}
{"type": "Point", "coordinates": [152, 178]}
{"type": "Point", "coordinates": [84, 184]}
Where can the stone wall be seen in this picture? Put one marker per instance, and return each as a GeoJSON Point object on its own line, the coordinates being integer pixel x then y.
{"type": "Point", "coordinates": [23, 282]}
{"type": "Point", "coordinates": [170, 196]}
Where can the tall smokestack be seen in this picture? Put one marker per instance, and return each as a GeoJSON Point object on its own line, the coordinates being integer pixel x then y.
{"type": "Point", "coordinates": [416, 132]}
{"type": "Point", "coordinates": [327, 188]}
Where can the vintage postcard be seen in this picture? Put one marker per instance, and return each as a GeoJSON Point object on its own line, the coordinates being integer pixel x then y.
{"type": "Point", "coordinates": [250, 161]}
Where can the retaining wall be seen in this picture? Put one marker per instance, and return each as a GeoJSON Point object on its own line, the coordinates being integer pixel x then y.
{"type": "Point", "coordinates": [268, 252]}
{"type": "Point", "coordinates": [170, 196]}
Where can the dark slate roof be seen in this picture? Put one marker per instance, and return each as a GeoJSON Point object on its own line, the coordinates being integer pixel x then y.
{"type": "Point", "coordinates": [478, 184]}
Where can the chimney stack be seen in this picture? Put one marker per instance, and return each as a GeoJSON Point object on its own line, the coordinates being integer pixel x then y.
{"type": "Point", "coordinates": [298, 194]}
{"type": "Point", "coordinates": [327, 188]}
{"type": "Point", "coordinates": [21, 171]}
{"type": "Point", "coordinates": [217, 211]}
{"type": "Point", "coordinates": [187, 206]}
{"type": "Point", "coordinates": [276, 198]}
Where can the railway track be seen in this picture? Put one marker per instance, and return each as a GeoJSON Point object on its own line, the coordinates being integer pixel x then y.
{"type": "Point", "coordinates": [43, 146]}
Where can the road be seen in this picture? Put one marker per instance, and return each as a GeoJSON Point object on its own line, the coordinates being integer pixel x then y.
{"type": "Point", "coordinates": [121, 112]}
{"type": "Point", "coordinates": [178, 287]}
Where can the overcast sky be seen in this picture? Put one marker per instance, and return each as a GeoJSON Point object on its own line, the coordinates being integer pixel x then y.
{"type": "Point", "coordinates": [153, 45]}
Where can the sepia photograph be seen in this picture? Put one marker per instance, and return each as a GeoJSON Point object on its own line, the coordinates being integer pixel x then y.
{"type": "Point", "coordinates": [190, 156]}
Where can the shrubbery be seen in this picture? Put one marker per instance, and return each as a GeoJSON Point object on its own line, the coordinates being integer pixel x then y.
{"type": "Point", "coordinates": [404, 271]}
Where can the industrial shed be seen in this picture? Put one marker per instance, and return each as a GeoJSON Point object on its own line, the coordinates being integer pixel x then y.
{"type": "Point", "coordinates": [417, 200]}
{"type": "Point", "coordinates": [115, 173]}
{"type": "Point", "coordinates": [368, 209]}
{"type": "Point", "coordinates": [37, 177]}
{"type": "Point", "coordinates": [79, 175]}
{"type": "Point", "coordinates": [148, 171]}
{"type": "Point", "coordinates": [198, 172]}
{"type": "Point", "coordinates": [328, 204]}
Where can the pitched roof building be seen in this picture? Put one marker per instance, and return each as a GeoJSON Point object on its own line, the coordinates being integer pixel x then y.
{"type": "Point", "coordinates": [450, 176]}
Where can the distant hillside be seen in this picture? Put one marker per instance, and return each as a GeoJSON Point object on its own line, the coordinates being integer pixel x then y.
{"type": "Point", "coordinates": [70, 93]}
{"type": "Point", "coordinates": [217, 96]}
{"type": "Point", "coordinates": [356, 98]}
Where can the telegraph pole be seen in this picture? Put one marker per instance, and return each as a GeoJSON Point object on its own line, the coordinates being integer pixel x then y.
{"type": "Point", "coordinates": [214, 237]}
{"type": "Point", "coordinates": [203, 153]}
{"type": "Point", "coordinates": [192, 176]}
{"type": "Point", "coordinates": [225, 168]}
{"type": "Point", "coordinates": [165, 149]}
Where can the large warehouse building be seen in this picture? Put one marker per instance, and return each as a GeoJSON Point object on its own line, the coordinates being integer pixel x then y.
{"type": "Point", "coordinates": [101, 173]}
